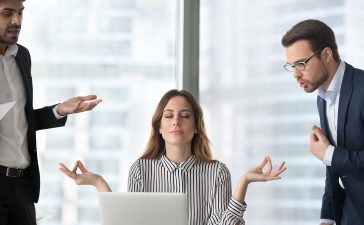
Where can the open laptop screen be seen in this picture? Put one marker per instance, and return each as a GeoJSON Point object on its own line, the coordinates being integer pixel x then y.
{"type": "Point", "coordinates": [143, 208]}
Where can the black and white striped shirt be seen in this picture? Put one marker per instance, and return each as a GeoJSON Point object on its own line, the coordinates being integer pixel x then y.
{"type": "Point", "coordinates": [207, 186]}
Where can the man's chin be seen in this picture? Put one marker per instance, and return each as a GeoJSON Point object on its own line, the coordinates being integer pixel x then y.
{"type": "Point", "coordinates": [309, 90]}
{"type": "Point", "coordinates": [9, 41]}
{"type": "Point", "coordinates": [309, 87]}
{"type": "Point", "coordinates": [13, 41]}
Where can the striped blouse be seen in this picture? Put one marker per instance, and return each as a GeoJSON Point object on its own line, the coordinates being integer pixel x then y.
{"type": "Point", "coordinates": [207, 186]}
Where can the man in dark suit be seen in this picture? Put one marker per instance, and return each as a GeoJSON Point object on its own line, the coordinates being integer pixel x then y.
{"type": "Point", "coordinates": [19, 172]}
{"type": "Point", "coordinates": [313, 58]}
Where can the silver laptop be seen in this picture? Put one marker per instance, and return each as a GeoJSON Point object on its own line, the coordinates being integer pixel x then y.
{"type": "Point", "coordinates": [142, 208]}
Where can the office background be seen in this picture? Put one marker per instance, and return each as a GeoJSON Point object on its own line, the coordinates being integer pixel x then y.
{"type": "Point", "coordinates": [128, 53]}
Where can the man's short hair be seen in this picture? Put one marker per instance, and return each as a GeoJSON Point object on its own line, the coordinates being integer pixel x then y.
{"type": "Point", "coordinates": [317, 33]}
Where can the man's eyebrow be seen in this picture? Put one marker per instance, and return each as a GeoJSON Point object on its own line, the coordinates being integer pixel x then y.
{"type": "Point", "coordinates": [12, 10]}
{"type": "Point", "coordinates": [297, 61]}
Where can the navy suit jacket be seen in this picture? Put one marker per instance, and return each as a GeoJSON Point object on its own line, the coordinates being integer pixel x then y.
{"type": "Point", "coordinates": [37, 119]}
{"type": "Point", "coordinates": [348, 159]}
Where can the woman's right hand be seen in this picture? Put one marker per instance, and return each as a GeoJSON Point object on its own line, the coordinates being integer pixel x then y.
{"type": "Point", "coordinates": [85, 177]}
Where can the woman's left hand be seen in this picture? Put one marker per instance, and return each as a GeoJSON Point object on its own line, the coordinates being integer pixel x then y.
{"type": "Point", "coordinates": [257, 173]}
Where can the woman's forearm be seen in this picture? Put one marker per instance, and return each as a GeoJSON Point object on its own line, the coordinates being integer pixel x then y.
{"type": "Point", "coordinates": [241, 189]}
{"type": "Point", "coordinates": [101, 185]}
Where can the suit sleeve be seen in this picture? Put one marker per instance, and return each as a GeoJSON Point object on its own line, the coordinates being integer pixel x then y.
{"type": "Point", "coordinates": [40, 118]}
{"type": "Point", "coordinates": [345, 161]}
{"type": "Point", "coordinates": [45, 118]}
{"type": "Point", "coordinates": [327, 207]}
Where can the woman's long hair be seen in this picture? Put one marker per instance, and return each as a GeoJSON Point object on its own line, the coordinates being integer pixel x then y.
{"type": "Point", "coordinates": [200, 145]}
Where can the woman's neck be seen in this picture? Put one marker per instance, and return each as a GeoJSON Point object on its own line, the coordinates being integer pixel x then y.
{"type": "Point", "coordinates": [178, 154]}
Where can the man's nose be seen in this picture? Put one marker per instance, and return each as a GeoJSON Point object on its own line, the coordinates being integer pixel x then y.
{"type": "Point", "coordinates": [16, 19]}
{"type": "Point", "coordinates": [296, 73]}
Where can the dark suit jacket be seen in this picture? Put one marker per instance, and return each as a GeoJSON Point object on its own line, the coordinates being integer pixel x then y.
{"type": "Point", "coordinates": [348, 159]}
{"type": "Point", "coordinates": [37, 119]}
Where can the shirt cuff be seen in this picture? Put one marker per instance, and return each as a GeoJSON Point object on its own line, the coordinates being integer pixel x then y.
{"type": "Point", "coordinates": [56, 114]}
{"type": "Point", "coordinates": [327, 221]}
{"type": "Point", "coordinates": [237, 208]}
{"type": "Point", "coordinates": [328, 155]}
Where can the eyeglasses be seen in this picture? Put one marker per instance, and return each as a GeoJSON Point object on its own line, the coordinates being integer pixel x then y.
{"type": "Point", "coordinates": [299, 65]}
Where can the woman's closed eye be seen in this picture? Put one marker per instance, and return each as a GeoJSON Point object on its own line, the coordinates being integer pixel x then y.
{"type": "Point", "coordinates": [186, 116]}
{"type": "Point", "coordinates": [168, 115]}
{"type": "Point", "coordinates": [183, 115]}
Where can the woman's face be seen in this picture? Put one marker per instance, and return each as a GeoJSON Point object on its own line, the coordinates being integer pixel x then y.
{"type": "Point", "coordinates": [178, 123]}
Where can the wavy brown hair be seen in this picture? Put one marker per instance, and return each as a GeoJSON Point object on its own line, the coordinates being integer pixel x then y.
{"type": "Point", "coordinates": [200, 145]}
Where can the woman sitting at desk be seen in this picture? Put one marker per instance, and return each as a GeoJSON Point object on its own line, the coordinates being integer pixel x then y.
{"type": "Point", "coordinates": [178, 159]}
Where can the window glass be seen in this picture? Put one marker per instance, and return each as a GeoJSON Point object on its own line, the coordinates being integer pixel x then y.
{"type": "Point", "coordinates": [263, 110]}
{"type": "Point", "coordinates": [121, 50]}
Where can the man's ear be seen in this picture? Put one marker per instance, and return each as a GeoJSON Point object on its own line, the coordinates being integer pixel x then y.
{"type": "Point", "coordinates": [327, 55]}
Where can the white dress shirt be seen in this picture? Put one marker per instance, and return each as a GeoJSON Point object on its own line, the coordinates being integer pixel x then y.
{"type": "Point", "coordinates": [13, 126]}
{"type": "Point", "coordinates": [332, 97]}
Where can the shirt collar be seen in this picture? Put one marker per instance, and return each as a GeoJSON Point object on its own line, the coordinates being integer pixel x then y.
{"type": "Point", "coordinates": [11, 50]}
{"type": "Point", "coordinates": [335, 86]}
{"type": "Point", "coordinates": [172, 166]}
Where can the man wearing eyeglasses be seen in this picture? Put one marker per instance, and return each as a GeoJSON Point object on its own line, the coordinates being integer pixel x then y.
{"type": "Point", "coordinates": [313, 59]}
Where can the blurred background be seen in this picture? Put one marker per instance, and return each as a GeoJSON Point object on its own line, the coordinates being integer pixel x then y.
{"type": "Point", "coordinates": [126, 52]}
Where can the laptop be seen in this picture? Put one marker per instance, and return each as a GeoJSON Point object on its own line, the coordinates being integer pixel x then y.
{"type": "Point", "coordinates": [143, 208]}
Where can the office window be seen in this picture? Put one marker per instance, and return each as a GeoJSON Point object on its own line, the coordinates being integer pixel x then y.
{"type": "Point", "coordinates": [121, 50]}
{"type": "Point", "coordinates": [254, 107]}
